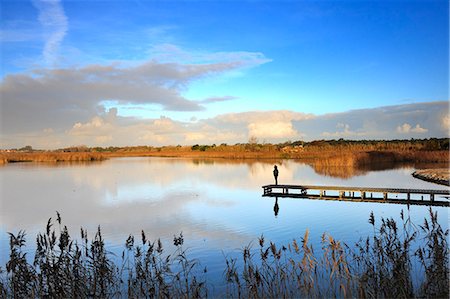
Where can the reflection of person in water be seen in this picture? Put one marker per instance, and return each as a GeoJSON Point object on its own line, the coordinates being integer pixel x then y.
{"type": "Point", "coordinates": [275, 174]}
{"type": "Point", "coordinates": [275, 207]}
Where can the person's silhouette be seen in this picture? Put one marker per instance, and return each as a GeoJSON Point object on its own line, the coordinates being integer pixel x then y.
{"type": "Point", "coordinates": [275, 174]}
{"type": "Point", "coordinates": [275, 207]}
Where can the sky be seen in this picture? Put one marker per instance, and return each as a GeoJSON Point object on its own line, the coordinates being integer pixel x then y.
{"type": "Point", "coordinates": [102, 73]}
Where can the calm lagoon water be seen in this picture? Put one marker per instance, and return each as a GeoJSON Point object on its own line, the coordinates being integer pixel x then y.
{"type": "Point", "coordinates": [216, 204]}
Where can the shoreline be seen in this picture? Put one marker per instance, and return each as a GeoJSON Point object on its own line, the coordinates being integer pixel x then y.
{"type": "Point", "coordinates": [439, 176]}
{"type": "Point", "coordinates": [327, 157]}
{"type": "Point", "coordinates": [321, 153]}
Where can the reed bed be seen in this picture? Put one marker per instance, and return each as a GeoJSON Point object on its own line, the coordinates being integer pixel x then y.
{"type": "Point", "coordinates": [378, 266]}
{"type": "Point", "coordinates": [66, 268]}
{"type": "Point", "coordinates": [10, 157]}
{"type": "Point", "coordinates": [321, 155]}
{"type": "Point", "coordinates": [347, 164]}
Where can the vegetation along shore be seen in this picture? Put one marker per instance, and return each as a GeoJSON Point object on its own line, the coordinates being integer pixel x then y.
{"type": "Point", "coordinates": [331, 152]}
{"type": "Point", "coordinates": [378, 266]}
{"type": "Point", "coordinates": [338, 158]}
{"type": "Point", "coordinates": [439, 176]}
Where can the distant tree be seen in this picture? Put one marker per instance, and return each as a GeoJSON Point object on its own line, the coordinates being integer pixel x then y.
{"type": "Point", "coordinates": [27, 148]}
{"type": "Point", "coordinates": [253, 140]}
{"type": "Point", "coordinates": [252, 143]}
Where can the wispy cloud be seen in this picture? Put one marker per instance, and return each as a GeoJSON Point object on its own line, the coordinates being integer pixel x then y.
{"type": "Point", "coordinates": [217, 99]}
{"type": "Point", "coordinates": [55, 24]}
{"type": "Point", "coordinates": [172, 53]}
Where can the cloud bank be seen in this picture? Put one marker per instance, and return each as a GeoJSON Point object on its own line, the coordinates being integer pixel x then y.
{"type": "Point", "coordinates": [418, 120]}
{"type": "Point", "coordinates": [58, 98]}
{"type": "Point", "coordinates": [107, 128]}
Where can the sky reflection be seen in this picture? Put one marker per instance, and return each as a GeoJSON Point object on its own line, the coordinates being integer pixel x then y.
{"type": "Point", "coordinates": [217, 204]}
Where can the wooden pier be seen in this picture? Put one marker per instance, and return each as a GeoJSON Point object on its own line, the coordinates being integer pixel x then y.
{"type": "Point", "coordinates": [362, 194]}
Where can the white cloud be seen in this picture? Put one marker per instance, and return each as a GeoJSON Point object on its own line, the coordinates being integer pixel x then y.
{"type": "Point", "coordinates": [271, 126]}
{"type": "Point", "coordinates": [194, 137]}
{"type": "Point", "coordinates": [96, 123]}
{"type": "Point", "coordinates": [55, 24]}
{"type": "Point", "coordinates": [279, 129]}
{"type": "Point", "coordinates": [343, 131]}
{"type": "Point", "coordinates": [407, 128]}
{"type": "Point", "coordinates": [268, 125]}
{"type": "Point", "coordinates": [419, 129]}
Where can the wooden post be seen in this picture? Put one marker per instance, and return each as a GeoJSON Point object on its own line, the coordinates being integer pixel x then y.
{"type": "Point", "coordinates": [432, 196]}
{"type": "Point", "coordinates": [384, 195]}
{"type": "Point", "coordinates": [363, 194]}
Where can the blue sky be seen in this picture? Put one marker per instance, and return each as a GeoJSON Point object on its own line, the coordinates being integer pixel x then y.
{"type": "Point", "coordinates": [193, 62]}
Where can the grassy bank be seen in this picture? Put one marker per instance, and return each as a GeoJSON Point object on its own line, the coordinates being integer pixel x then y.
{"type": "Point", "coordinates": [379, 266]}
{"type": "Point", "coordinates": [320, 154]}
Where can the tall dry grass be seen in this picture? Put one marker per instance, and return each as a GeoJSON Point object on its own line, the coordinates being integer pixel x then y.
{"type": "Point", "coordinates": [348, 164]}
{"type": "Point", "coordinates": [379, 266]}
{"type": "Point", "coordinates": [10, 157]}
{"type": "Point", "coordinates": [67, 268]}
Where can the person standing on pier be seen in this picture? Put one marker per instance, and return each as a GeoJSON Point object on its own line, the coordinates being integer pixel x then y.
{"type": "Point", "coordinates": [275, 174]}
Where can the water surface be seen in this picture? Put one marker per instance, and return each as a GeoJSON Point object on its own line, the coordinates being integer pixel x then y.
{"type": "Point", "coordinates": [216, 204]}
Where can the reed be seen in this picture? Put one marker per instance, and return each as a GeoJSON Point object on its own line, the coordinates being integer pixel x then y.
{"type": "Point", "coordinates": [379, 266]}
{"type": "Point", "coordinates": [67, 268]}
{"type": "Point", "coordinates": [10, 157]}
